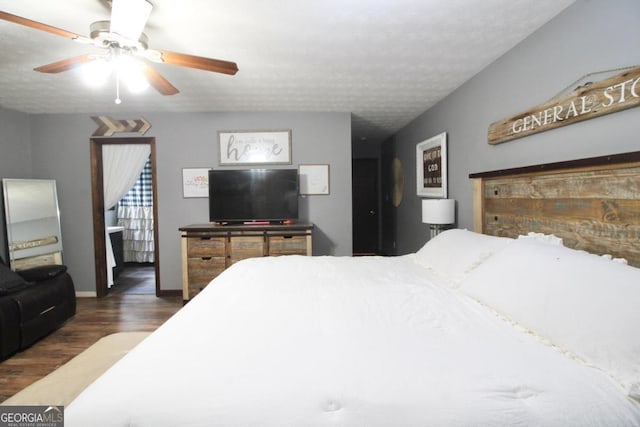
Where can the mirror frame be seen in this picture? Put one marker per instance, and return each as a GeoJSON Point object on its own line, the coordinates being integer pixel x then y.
{"type": "Point", "coordinates": [34, 256]}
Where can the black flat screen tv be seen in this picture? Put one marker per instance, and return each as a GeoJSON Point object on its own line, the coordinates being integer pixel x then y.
{"type": "Point", "coordinates": [253, 195]}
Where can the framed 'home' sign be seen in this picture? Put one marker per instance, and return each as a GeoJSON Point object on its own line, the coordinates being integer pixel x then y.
{"type": "Point", "coordinates": [254, 147]}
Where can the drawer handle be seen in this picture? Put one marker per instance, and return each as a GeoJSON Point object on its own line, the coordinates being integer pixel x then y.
{"type": "Point", "coordinates": [206, 258]}
{"type": "Point", "coordinates": [287, 237]}
{"type": "Point", "coordinates": [205, 238]}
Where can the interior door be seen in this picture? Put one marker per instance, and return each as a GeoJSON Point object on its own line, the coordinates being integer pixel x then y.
{"type": "Point", "coordinates": [365, 206]}
{"type": "Point", "coordinates": [98, 209]}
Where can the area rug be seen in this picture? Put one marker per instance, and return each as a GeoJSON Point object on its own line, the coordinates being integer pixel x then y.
{"type": "Point", "coordinates": [61, 386]}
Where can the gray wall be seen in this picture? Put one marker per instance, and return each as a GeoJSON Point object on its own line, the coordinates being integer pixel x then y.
{"type": "Point", "coordinates": [15, 156]}
{"type": "Point", "coordinates": [60, 150]}
{"type": "Point", "coordinates": [589, 36]}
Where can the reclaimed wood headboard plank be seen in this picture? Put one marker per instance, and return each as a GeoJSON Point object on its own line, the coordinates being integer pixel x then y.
{"type": "Point", "coordinates": [594, 207]}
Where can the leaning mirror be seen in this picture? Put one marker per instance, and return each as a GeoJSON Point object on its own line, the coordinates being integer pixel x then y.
{"type": "Point", "coordinates": [32, 222]}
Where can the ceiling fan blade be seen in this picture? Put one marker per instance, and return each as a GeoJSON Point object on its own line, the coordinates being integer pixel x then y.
{"type": "Point", "coordinates": [65, 64]}
{"type": "Point", "coordinates": [39, 26]}
{"type": "Point", "coordinates": [158, 82]}
{"type": "Point", "coordinates": [192, 61]}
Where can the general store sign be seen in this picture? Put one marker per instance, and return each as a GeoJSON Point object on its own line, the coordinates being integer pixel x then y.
{"type": "Point", "coordinates": [596, 99]}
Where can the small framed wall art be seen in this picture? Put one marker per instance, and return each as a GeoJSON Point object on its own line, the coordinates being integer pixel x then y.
{"type": "Point", "coordinates": [271, 147]}
{"type": "Point", "coordinates": [314, 179]}
{"type": "Point", "coordinates": [431, 167]}
{"type": "Point", "coordinates": [195, 182]}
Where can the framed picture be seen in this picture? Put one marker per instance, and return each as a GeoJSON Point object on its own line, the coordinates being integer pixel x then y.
{"type": "Point", "coordinates": [431, 167]}
{"type": "Point", "coordinates": [314, 179]}
{"type": "Point", "coordinates": [254, 147]}
{"type": "Point", "coordinates": [195, 182]}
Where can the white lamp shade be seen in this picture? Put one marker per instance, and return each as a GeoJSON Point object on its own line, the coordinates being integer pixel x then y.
{"type": "Point", "coordinates": [438, 211]}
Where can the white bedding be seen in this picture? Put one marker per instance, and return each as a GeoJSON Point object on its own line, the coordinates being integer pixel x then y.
{"type": "Point", "coordinates": [326, 341]}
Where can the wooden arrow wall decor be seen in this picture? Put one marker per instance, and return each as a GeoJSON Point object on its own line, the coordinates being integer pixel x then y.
{"type": "Point", "coordinates": [108, 125]}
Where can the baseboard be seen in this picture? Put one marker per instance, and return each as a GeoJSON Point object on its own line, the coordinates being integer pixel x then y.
{"type": "Point", "coordinates": [86, 294]}
{"type": "Point", "coordinates": [162, 293]}
{"type": "Point", "coordinates": [170, 292]}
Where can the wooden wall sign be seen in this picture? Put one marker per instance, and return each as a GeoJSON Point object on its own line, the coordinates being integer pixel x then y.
{"type": "Point", "coordinates": [108, 126]}
{"type": "Point", "coordinates": [610, 95]}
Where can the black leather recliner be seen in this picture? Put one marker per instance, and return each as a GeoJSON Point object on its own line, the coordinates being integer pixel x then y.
{"type": "Point", "coordinates": [33, 303]}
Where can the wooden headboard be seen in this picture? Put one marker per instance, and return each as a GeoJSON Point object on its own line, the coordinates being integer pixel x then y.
{"type": "Point", "coordinates": [593, 204]}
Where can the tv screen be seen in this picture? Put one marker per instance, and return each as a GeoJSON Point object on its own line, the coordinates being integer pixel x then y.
{"type": "Point", "coordinates": [253, 195]}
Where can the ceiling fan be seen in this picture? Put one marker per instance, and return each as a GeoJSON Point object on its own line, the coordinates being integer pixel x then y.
{"type": "Point", "coordinates": [122, 37]}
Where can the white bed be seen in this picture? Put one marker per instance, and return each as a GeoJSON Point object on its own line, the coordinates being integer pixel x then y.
{"type": "Point", "coordinates": [436, 338]}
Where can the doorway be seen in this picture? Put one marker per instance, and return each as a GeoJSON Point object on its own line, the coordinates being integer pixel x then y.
{"type": "Point", "coordinates": [99, 225]}
{"type": "Point", "coordinates": [366, 221]}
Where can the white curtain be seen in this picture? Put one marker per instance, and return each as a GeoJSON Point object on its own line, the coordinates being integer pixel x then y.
{"type": "Point", "coordinates": [138, 233]}
{"type": "Point", "coordinates": [121, 166]}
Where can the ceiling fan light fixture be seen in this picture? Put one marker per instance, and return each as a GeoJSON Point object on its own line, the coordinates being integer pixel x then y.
{"type": "Point", "coordinates": [96, 72]}
{"type": "Point", "coordinates": [128, 18]}
{"type": "Point", "coordinates": [131, 72]}
{"type": "Point", "coordinates": [122, 36]}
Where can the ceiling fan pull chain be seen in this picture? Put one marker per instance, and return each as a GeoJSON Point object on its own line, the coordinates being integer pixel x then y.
{"type": "Point", "coordinates": [118, 100]}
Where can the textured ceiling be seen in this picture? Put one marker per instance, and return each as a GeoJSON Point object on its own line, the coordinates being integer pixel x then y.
{"type": "Point", "coordinates": [385, 61]}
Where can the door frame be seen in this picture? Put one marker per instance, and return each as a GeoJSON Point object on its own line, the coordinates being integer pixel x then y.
{"type": "Point", "coordinates": [97, 201]}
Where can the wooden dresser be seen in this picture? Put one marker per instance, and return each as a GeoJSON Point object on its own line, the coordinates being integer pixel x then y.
{"type": "Point", "coordinates": [208, 249]}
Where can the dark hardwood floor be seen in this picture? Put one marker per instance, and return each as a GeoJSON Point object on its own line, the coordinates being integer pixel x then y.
{"type": "Point", "coordinates": [94, 319]}
{"type": "Point", "coordinates": [135, 279]}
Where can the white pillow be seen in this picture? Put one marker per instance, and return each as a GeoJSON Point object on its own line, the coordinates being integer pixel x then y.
{"type": "Point", "coordinates": [452, 254]}
{"type": "Point", "coordinates": [582, 303]}
{"type": "Point", "coordinates": [543, 238]}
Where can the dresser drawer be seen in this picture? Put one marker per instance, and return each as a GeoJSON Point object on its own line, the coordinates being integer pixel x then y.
{"type": "Point", "coordinates": [195, 289]}
{"type": "Point", "coordinates": [246, 247]}
{"type": "Point", "coordinates": [202, 270]}
{"type": "Point", "coordinates": [206, 247]}
{"type": "Point", "coordinates": [282, 245]}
